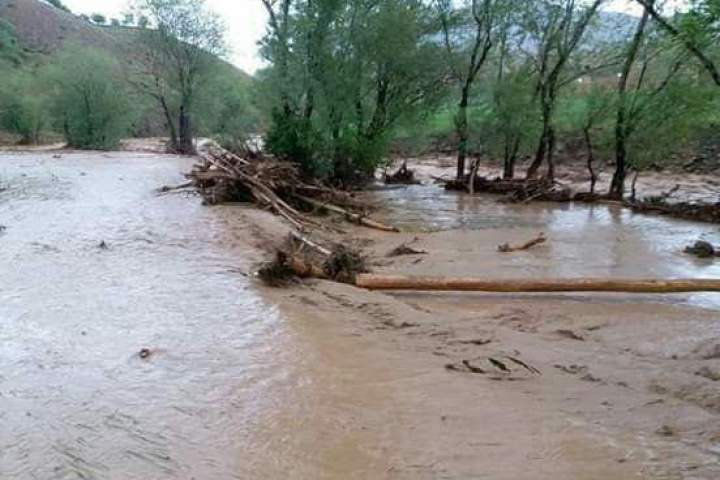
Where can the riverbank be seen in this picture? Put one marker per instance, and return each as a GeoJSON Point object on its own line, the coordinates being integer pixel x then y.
{"type": "Point", "coordinates": [323, 380]}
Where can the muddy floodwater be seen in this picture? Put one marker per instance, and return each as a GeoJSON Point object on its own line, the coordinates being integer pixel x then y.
{"type": "Point", "coordinates": [586, 240]}
{"type": "Point", "coordinates": [133, 345]}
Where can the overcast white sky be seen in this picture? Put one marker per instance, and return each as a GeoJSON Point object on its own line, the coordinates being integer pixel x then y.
{"type": "Point", "coordinates": [245, 20]}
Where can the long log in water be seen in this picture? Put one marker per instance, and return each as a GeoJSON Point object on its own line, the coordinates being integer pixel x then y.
{"type": "Point", "coordinates": [449, 284]}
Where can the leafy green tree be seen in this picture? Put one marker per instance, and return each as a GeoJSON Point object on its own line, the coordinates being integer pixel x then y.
{"type": "Point", "coordinates": [698, 31]}
{"type": "Point", "coordinates": [556, 28]}
{"type": "Point", "coordinates": [175, 57]}
{"type": "Point", "coordinates": [587, 112]}
{"type": "Point", "coordinates": [90, 103]}
{"type": "Point", "coordinates": [227, 109]}
{"type": "Point", "coordinates": [98, 19]}
{"type": "Point", "coordinates": [466, 58]}
{"type": "Point", "coordinates": [344, 72]}
{"type": "Point", "coordinates": [510, 124]}
{"type": "Point", "coordinates": [23, 106]}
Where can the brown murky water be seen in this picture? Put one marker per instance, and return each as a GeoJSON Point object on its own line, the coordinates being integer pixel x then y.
{"type": "Point", "coordinates": [241, 384]}
{"type": "Point", "coordinates": [77, 401]}
{"type": "Point", "coordinates": [586, 240]}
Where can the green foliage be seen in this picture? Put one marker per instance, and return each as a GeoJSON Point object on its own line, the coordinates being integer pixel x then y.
{"type": "Point", "coordinates": [508, 125]}
{"type": "Point", "coordinates": [294, 137]}
{"type": "Point", "coordinates": [671, 121]}
{"type": "Point", "coordinates": [23, 106]}
{"type": "Point", "coordinates": [342, 77]}
{"type": "Point", "coordinates": [90, 103]}
{"type": "Point", "coordinates": [183, 47]}
{"type": "Point", "coordinates": [10, 50]}
{"type": "Point", "coordinates": [226, 109]}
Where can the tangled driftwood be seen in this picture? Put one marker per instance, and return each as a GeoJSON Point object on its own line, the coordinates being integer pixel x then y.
{"type": "Point", "coordinates": [302, 257]}
{"type": "Point", "coordinates": [513, 190]}
{"type": "Point", "coordinates": [223, 176]}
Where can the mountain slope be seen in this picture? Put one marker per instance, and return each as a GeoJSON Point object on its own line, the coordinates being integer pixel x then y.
{"type": "Point", "coordinates": [43, 28]}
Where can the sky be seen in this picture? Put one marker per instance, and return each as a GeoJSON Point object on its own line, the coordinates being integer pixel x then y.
{"type": "Point", "coordinates": [245, 20]}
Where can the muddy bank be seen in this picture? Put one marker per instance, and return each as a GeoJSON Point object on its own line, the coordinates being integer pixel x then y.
{"type": "Point", "coordinates": [323, 380]}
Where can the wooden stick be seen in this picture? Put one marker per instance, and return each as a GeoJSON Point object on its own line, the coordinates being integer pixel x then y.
{"type": "Point", "coordinates": [399, 282]}
{"type": "Point", "coordinates": [353, 217]}
{"type": "Point", "coordinates": [303, 240]}
{"type": "Point", "coordinates": [507, 248]}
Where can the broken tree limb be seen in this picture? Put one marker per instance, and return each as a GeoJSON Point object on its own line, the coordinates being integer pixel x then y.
{"type": "Point", "coordinates": [449, 284]}
{"type": "Point", "coordinates": [350, 216]}
{"type": "Point", "coordinates": [507, 248]}
{"type": "Point", "coordinates": [303, 240]}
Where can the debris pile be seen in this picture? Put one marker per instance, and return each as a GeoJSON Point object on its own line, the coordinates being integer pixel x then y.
{"type": "Point", "coordinates": [514, 190]}
{"type": "Point", "coordinates": [300, 257]}
{"type": "Point", "coordinates": [701, 212]}
{"type": "Point", "coordinates": [403, 176]}
{"type": "Point", "coordinates": [223, 176]}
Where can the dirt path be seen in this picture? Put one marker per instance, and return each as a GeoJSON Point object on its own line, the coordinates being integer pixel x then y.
{"type": "Point", "coordinates": [323, 380]}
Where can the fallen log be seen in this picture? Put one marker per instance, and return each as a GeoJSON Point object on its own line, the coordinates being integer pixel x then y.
{"type": "Point", "coordinates": [449, 284]}
{"type": "Point", "coordinates": [350, 216]}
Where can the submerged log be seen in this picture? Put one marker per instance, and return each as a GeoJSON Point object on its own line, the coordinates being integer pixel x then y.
{"type": "Point", "coordinates": [448, 284]}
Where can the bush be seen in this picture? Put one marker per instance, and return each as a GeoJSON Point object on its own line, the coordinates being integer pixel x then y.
{"type": "Point", "coordinates": [90, 104]}
{"type": "Point", "coordinates": [23, 107]}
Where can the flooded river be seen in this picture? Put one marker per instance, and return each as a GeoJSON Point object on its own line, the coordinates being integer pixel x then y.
{"type": "Point", "coordinates": [585, 240]}
{"type": "Point", "coordinates": [95, 267]}
{"type": "Point", "coordinates": [77, 401]}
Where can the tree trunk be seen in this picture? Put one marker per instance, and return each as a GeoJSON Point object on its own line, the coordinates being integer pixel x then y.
{"type": "Point", "coordinates": [461, 126]}
{"type": "Point", "coordinates": [617, 187]}
{"type": "Point", "coordinates": [590, 159]}
{"type": "Point", "coordinates": [545, 139]}
{"type": "Point", "coordinates": [551, 156]}
{"type": "Point", "coordinates": [186, 145]}
{"type": "Point", "coordinates": [174, 146]}
{"type": "Point", "coordinates": [510, 158]}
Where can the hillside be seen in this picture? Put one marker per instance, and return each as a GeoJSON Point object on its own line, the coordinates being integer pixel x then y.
{"type": "Point", "coordinates": [43, 29]}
